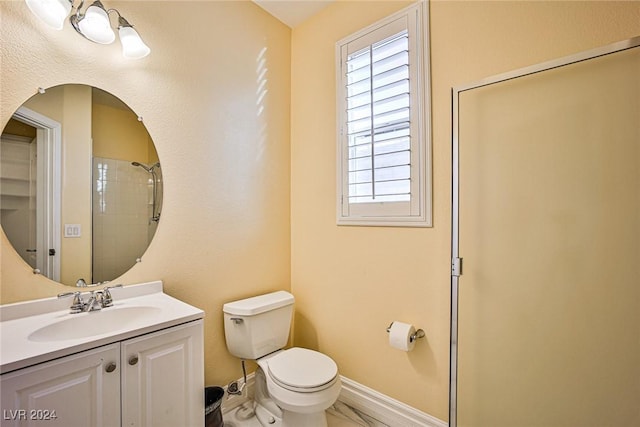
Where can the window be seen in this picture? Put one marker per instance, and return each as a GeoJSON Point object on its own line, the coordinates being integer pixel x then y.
{"type": "Point", "coordinates": [383, 123]}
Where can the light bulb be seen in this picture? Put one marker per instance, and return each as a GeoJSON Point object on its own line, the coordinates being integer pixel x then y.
{"type": "Point", "coordinates": [95, 25]}
{"type": "Point", "coordinates": [132, 45]}
{"type": "Point", "coordinates": [51, 12]}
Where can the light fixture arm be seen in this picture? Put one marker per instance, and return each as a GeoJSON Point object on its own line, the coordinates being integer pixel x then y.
{"type": "Point", "coordinates": [122, 22]}
{"type": "Point", "coordinates": [78, 14]}
{"type": "Point", "coordinates": [116, 11]}
{"type": "Point", "coordinates": [74, 19]}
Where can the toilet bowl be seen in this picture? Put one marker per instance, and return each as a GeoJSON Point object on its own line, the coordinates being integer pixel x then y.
{"type": "Point", "coordinates": [294, 387]}
{"type": "Point", "coordinates": [303, 383]}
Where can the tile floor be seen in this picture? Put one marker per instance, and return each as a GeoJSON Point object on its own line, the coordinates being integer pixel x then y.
{"type": "Point", "coordinates": [339, 415]}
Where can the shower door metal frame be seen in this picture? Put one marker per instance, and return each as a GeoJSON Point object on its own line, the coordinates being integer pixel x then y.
{"type": "Point", "coordinates": [456, 260]}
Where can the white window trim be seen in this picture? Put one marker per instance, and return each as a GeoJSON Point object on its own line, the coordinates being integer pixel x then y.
{"type": "Point", "coordinates": [422, 212]}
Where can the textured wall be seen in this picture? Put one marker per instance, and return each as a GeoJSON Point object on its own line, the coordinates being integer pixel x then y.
{"type": "Point", "coordinates": [224, 232]}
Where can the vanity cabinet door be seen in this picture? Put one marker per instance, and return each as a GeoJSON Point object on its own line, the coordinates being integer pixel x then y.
{"type": "Point", "coordinates": [163, 378]}
{"type": "Point", "coordinates": [75, 391]}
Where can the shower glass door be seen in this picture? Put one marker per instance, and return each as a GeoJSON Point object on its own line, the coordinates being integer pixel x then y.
{"type": "Point", "coordinates": [549, 231]}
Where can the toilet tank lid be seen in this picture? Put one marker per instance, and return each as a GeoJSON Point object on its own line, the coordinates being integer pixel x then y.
{"type": "Point", "coordinates": [258, 304]}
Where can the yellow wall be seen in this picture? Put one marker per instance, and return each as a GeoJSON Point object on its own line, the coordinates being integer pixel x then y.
{"type": "Point", "coordinates": [117, 134]}
{"type": "Point", "coordinates": [224, 232]}
{"type": "Point", "coordinates": [351, 282]}
{"type": "Point", "coordinates": [76, 182]}
{"type": "Point", "coordinates": [15, 127]}
{"type": "Point", "coordinates": [228, 228]}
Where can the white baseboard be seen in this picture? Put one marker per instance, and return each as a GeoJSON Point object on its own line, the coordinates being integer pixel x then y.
{"type": "Point", "coordinates": [384, 408]}
{"type": "Point", "coordinates": [366, 400]}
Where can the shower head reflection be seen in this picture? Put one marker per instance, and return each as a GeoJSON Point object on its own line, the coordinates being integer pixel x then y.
{"type": "Point", "coordinates": [145, 167]}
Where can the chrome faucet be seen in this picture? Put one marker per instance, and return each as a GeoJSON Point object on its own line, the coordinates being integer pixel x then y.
{"type": "Point", "coordinates": [97, 300]}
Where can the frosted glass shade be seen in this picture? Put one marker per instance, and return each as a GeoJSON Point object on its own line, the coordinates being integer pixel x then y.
{"type": "Point", "coordinates": [51, 12]}
{"type": "Point", "coordinates": [95, 25]}
{"type": "Point", "coordinates": [132, 45]}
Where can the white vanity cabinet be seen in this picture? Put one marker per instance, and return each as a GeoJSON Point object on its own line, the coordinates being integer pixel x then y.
{"type": "Point", "coordinates": [78, 390]}
{"type": "Point", "coordinates": [163, 378]}
{"type": "Point", "coordinates": [155, 379]}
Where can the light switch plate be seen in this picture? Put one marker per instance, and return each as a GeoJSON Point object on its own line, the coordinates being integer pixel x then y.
{"type": "Point", "coordinates": [72, 230]}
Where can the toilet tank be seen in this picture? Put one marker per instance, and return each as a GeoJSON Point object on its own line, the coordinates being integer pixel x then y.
{"type": "Point", "coordinates": [257, 326]}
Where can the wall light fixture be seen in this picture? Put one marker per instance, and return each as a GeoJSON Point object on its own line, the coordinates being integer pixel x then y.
{"type": "Point", "coordinates": [93, 24]}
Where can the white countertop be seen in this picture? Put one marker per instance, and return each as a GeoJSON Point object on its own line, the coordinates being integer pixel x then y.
{"type": "Point", "coordinates": [19, 320]}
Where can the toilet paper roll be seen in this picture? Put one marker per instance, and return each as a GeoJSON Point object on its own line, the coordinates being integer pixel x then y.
{"type": "Point", "coordinates": [400, 336]}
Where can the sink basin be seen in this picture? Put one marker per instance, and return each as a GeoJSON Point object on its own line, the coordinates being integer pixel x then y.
{"type": "Point", "coordinates": [84, 325]}
{"type": "Point", "coordinates": [36, 331]}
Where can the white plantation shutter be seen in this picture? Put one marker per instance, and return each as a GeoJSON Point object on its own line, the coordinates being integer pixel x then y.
{"type": "Point", "coordinates": [382, 123]}
{"type": "Point", "coordinates": [378, 122]}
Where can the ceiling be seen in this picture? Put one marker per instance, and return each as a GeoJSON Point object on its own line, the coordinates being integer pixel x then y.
{"type": "Point", "coordinates": [293, 12]}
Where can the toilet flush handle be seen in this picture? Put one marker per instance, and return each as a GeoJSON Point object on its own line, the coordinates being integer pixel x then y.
{"type": "Point", "coordinates": [237, 320]}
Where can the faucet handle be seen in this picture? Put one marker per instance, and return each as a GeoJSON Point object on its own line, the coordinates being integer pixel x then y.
{"type": "Point", "coordinates": [77, 306]}
{"type": "Point", "coordinates": [107, 299]}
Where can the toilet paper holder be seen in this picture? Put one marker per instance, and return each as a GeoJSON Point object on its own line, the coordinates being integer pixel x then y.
{"type": "Point", "coordinates": [418, 334]}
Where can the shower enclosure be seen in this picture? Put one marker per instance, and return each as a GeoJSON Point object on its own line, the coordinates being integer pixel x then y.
{"type": "Point", "coordinates": [546, 245]}
{"type": "Point", "coordinates": [127, 197]}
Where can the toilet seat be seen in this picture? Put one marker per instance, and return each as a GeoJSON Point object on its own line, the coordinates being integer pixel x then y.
{"type": "Point", "coordinates": [302, 370]}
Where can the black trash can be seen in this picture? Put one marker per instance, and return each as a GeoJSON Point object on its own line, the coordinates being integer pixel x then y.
{"type": "Point", "coordinates": [212, 411]}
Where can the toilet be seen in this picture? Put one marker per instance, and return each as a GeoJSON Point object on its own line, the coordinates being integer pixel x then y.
{"type": "Point", "coordinates": [293, 387]}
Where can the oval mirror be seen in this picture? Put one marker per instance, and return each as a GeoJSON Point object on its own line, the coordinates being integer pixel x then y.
{"type": "Point", "coordinates": [80, 185]}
